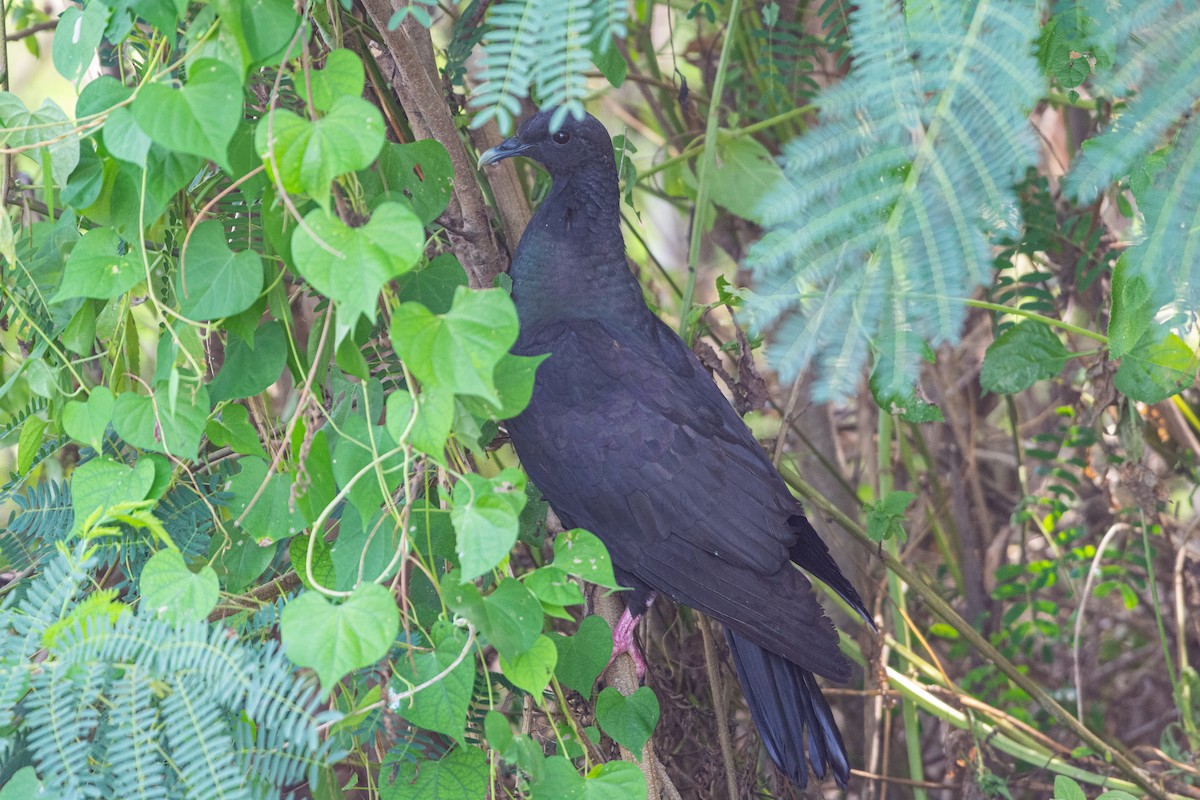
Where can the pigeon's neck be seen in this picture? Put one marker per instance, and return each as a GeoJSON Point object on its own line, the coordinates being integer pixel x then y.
{"type": "Point", "coordinates": [571, 260]}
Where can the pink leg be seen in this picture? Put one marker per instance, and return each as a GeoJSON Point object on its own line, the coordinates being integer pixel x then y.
{"type": "Point", "coordinates": [624, 641]}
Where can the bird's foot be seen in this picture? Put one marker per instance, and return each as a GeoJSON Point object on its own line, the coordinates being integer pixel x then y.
{"type": "Point", "coordinates": [623, 638]}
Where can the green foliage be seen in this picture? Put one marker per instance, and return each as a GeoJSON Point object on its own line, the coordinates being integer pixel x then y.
{"type": "Point", "coordinates": [252, 398]}
{"type": "Point", "coordinates": [117, 690]}
{"type": "Point", "coordinates": [892, 240]}
{"type": "Point", "coordinates": [542, 48]}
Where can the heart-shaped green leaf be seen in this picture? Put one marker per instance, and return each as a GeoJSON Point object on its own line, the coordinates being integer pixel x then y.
{"type": "Point", "coordinates": [334, 640]}
{"type": "Point", "coordinates": [582, 657]}
{"type": "Point", "coordinates": [342, 76]}
{"type": "Point", "coordinates": [270, 518]}
{"type": "Point", "coordinates": [174, 591]}
{"type": "Point", "coordinates": [422, 172]}
{"type": "Point", "coordinates": [233, 430]}
{"type": "Point", "coordinates": [486, 516]}
{"type": "Point", "coordinates": [199, 118]}
{"type": "Point", "coordinates": [86, 421]}
{"type": "Point", "coordinates": [1160, 365]}
{"type": "Point", "coordinates": [351, 265]}
{"type": "Point", "coordinates": [434, 418]}
{"type": "Point", "coordinates": [77, 37]}
{"type": "Point", "coordinates": [532, 669]}
{"type": "Point", "coordinates": [307, 155]}
{"type": "Point", "coordinates": [441, 706]}
{"type": "Point", "coordinates": [458, 350]}
{"type": "Point", "coordinates": [96, 268]}
{"type": "Point", "coordinates": [630, 721]}
{"type": "Point", "coordinates": [47, 128]}
{"type": "Point", "coordinates": [509, 618]}
{"type": "Point", "coordinates": [151, 423]}
{"type": "Point", "coordinates": [553, 587]}
{"type": "Point", "coordinates": [463, 772]}
{"type": "Point", "coordinates": [250, 369]}
{"type": "Point", "coordinates": [213, 281]}
{"type": "Point", "coordinates": [103, 483]}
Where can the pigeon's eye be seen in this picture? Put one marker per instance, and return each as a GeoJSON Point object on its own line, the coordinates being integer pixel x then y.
{"type": "Point", "coordinates": [562, 137]}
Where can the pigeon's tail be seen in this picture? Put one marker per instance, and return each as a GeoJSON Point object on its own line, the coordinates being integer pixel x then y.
{"type": "Point", "coordinates": [787, 705]}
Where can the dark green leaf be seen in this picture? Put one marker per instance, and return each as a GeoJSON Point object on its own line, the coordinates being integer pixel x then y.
{"type": "Point", "coordinates": [213, 281]}
{"type": "Point", "coordinates": [1025, 353]}
{"type": "Point", "coordinates": [434, 284]}
{"type": "Point", "coordinates": [269, 517]}
{"type": "Point", "coordinates": [250, 370]}
{"type": "Point", "coordinates": [323, 571]}
{"type": "Point", "coordinates": [582, 657]}
{"type": "Point", "coordinates": [441, 706]}
{"type": "Point", "coordinates": [462, 773]}
{"type": "Point", "coordinates": [510, 618]}
{"type": "Point", "coordinates": [629, 721]}
{"type": "Point", "coordinates": [233, 429]}
{"type": "Point", "coordinates": [420, 171]}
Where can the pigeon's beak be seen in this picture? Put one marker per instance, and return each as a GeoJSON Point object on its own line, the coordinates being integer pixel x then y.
{"type": "Point", "coordinates": [506, 149]}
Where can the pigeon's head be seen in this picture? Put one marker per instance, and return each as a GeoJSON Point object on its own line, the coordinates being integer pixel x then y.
{"type": "Point", "coordinates": [577, 143]}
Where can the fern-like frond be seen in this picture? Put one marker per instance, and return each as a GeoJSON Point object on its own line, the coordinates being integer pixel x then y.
{"type": "Point", "coordinates": [509, 54]}
{"type": "Point", "coordinates": [132, 734]}
{"type": "Point", "coordinates": [542, 48]}
{"type": "Point", "coordinates": [202, 751]}
{"type": "Point", "coordinates": [34, 406]}
{"type": "Point", "coordinates": [1163, 61]}
{"type": "Point", "coordinates": [609, 22]}
{"type": "Point", "coordinates": [44, 515]}
{"type": "Point", "coordinates": [1168, 256]}
{"type": "Point", "coordinates": [560, 79]}
{"type": "Point", "coordinates": [876, 236]}
{"type": "Point", "coordinates": [62, 722]}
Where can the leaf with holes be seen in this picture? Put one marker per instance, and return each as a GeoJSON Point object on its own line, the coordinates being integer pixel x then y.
{"type": "Point", "coordinates": [486, 516]}
{"type": "Point", "coordinates": [97, 268]}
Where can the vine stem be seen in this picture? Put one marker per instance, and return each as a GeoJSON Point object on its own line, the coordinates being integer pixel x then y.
{"type": "Point", "coordinates": [707, 161]}
{"type": "Point", "coordinates": [1051, 321]}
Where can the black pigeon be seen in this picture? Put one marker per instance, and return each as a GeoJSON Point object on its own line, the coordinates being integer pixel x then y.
{"type": "Point", "coordinates": [628, 437]}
